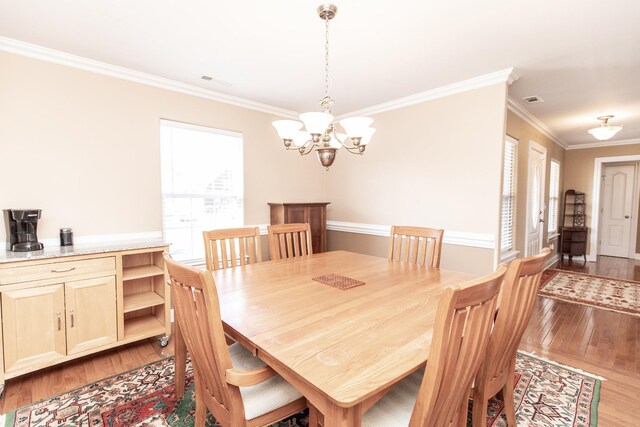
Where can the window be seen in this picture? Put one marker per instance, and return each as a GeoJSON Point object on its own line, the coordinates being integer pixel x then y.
{"type": "Point", "coordinates": [507, 241]}
{"type": "Point", "coordinates": [554, 192]}
{"type": "Point", "coordinates": [202, 185]}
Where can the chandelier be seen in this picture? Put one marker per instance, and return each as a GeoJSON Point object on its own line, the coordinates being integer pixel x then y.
{"type": "Point", "coordinates": [320, 133]}
{"type": "Point", "coordinates": [604, 131]}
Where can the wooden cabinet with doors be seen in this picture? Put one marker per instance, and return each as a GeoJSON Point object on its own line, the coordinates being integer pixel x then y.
{"type": "Point", "coordinates": [59, 308]}
{"type": "Point", "coordinates": [573, 233]}
{"type": "Point", "coordinates": [315, 214]}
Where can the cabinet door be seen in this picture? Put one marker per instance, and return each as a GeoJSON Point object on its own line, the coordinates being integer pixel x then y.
{"type": "Point", "coordinates": [91, 313]}
{"type": "Point", "coordinates": [33, 327]}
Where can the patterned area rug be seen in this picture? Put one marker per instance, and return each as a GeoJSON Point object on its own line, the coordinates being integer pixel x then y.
{"type": "Point", "coordinates": [601, 292]}
{"type": "Point", "coordinates": [546, 395]}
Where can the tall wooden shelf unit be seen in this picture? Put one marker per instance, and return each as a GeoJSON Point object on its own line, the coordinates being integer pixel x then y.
{"type": "Point", "coordinates": [315, 214]}
{"type": "Point", "coordinates": [573, 233]}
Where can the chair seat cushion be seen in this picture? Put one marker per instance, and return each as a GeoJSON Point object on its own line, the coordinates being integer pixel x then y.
{"type": "Point", "coordinates": [267, 396]}
{"type": "Point", "coordinates": [395, 408]}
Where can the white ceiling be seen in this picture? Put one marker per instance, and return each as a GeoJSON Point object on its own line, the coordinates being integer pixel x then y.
{"type": "Point", "coordinates": [581, 56]}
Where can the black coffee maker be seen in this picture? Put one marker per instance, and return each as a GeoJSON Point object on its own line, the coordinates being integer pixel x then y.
{"type": "Point", "coordinates": [21, 228]}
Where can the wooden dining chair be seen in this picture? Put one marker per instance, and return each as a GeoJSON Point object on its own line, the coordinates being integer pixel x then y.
{"type": "Point", "coordinates": [231, 247]}
{"type": "Point", "coordinates": [237, 388]}
{"type": "Point", "coordinates": [419, 245]}
{"type": "Point", "coordinates": [461, 331]}
{"type": "Point", "coordinates": [289, 240]}
{"type": "Point", "coordinates": [497, 372]}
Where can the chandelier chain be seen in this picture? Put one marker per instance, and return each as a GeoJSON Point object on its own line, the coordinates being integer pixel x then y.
{"type": "Point", "coordinates": [326, 56]}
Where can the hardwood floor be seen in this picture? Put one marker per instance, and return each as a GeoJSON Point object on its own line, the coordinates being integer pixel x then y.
{"type": "Point", "coordinates": [602, 342]}
{"type": "Point", "coordinates": [58, 379]}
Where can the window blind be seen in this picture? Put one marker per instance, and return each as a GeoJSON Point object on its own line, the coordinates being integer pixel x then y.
{"type": "Point", "coordinates": [202, 185]}
{"type": "Point", "coordinates": [554, 193]}
{"type": "Point", "coordinates": [507, 241]}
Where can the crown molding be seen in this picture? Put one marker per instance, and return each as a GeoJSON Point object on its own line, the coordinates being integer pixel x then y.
{"type": "Point", "coordinates": [460, 238]}
{"type": "Point", "coordinates": [50, 55]}
{"type": "Point", "coordinates": [504, 76]}
{"type": "Point", "coordinates": [604, 144]}
{"type": "Point", "coordinates": [519, 111]}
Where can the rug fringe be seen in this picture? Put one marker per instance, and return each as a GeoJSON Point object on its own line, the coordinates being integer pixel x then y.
{"type": "Point", "coordinates": [560, 365]}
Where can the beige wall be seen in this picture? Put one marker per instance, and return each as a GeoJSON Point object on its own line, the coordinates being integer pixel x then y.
{"type": "Point", "coordinates": [434, 164]}
{"type": "Point", "coordinates": [519, 129]}
{"type": "Point", "coordinates": [84, 148]}
{"type": "Point", "coordinates": [579, 173]}
{"type": "Point", "coordinates": [454, 257]}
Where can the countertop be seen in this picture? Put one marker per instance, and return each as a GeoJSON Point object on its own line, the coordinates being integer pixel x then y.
{"type": "Point", "coordinates": [79, 249]}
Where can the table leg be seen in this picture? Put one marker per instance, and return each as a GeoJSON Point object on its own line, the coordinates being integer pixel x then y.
{"type": "Point", "coordinates": [342, 417]}
{"type": "Point", "coordinates": [180, 359]}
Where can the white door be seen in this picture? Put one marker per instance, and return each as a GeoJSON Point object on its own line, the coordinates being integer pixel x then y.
{"type": "Point", "coordinates": [617, 208]}
{"type": "Point", "coordinates": [535, 199]}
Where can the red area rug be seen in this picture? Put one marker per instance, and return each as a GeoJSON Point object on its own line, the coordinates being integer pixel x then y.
{"type": "Point", "coordinates": [546, 395]}
{"type": "Point", "coordinates": [602, 292]}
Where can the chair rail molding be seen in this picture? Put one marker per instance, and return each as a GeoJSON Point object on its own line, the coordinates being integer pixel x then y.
{"type": "Point", "coordinates": [460, 238]}
{"type": "Point", "coordinates": [107, 238]}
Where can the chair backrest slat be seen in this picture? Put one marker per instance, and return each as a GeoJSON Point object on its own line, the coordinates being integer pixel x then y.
{"type": "Point", "coordinates": [289, 240]}
{"type": "Point", "coordinates": [227, 247]}
{"type": "Point", "coordinates": [418, 245]}
{"type": "Point", "coordinates": [517, 299]}
{"type": "Point", "coordinates": [461, 333]}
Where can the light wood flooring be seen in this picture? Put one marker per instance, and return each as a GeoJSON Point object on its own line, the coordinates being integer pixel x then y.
{"type": "Point", "coordinates": [595, 340]}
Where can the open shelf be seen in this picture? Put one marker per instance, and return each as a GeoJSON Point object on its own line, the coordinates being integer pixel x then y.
{"type": "Point", "coordinates": [143, 327]}
{"type": "Point", "coordinates": [142, 271]}
{"type": "Point", "coordinates": [142, 300]}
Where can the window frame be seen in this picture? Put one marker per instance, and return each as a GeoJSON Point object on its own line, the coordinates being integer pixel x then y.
{"type": "Point", "coordinates": [552, 235]}
{"type": "Point", "coordinates": [510, 253]}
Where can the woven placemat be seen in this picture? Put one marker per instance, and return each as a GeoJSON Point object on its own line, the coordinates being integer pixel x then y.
{"type": "Point", "coordinates": [338, 281]}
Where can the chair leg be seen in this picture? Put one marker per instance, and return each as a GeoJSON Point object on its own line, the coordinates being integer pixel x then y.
{"type": "Point", "coordinates": [462, 414]}
{"type": "Point", "coordinates": [313, 415]}
{"type": "Point", "coordinates": [201, 408]}
{"type": "Point", "coordinates": [509, 399]}
{"type": "Point", "coordinates": [479, 412]}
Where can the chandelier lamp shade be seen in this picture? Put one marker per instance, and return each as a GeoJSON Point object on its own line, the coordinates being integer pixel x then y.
{"type": "Point", "coordinates": [605, 131]}
{"type": "Point", "coordinates": [316, 131]}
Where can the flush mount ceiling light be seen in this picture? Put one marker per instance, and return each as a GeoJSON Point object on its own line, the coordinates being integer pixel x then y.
{"type": "Point", "coordinates": [320, 134]}
{"type": "Point", "coordinates": [604, 131]}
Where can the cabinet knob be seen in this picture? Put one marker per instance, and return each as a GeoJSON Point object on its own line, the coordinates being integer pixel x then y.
{"type": "Point", "coordinates": [59, 321]}
{"type": "Point", "coordinates": [626, 216]}
{"type": "Point", "coordinates": [71, 313]}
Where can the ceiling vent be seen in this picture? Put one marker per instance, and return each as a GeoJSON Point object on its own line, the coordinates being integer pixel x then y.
{"type": "Point", "coordinates": [532, 99]}
{"type": "Point", "coordinates": [216, 81]}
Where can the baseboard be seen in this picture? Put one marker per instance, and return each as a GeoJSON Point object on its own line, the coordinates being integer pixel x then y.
{"type": "Point", "coordinates": [552, 260]}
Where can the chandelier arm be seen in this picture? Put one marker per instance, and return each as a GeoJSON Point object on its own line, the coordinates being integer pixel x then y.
{"type": "Point", "coordinates": [355, 150]}
{"type": "Point", "coordinates": [306, 148]}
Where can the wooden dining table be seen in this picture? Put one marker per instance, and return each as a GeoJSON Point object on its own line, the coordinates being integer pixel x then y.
{"type": "Point", "coordinates": [341, 348]}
